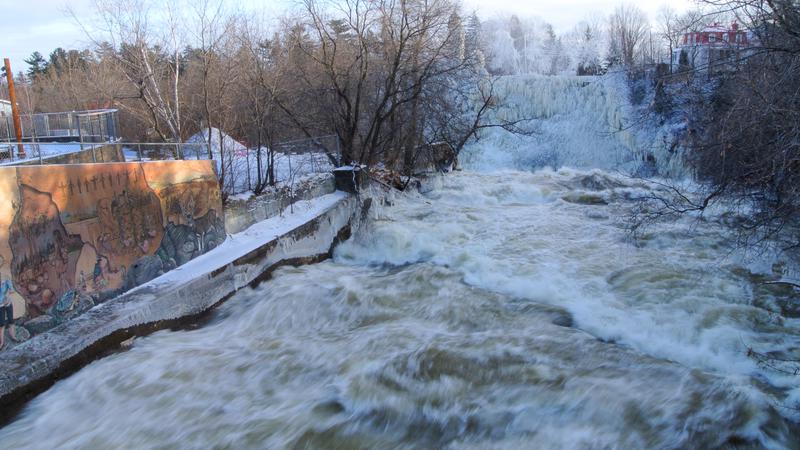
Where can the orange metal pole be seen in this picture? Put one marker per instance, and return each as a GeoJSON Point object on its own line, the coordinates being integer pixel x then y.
{"type": "Point", "coordinates": [12, 96]}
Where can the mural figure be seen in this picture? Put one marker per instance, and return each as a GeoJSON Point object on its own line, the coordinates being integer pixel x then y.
{"type": "Point", "coordinates": [82, 283]}
{"type": "Point", "coordinates": [83, 233]}
{"type": "Point", "coordinates": [43, 251]}
{"type": "Point", "coordinates": [99, 281]}
{"type": "Point", "coordinates": [6, 312]}
{"type": "Point", "coordinates": [66, 303]}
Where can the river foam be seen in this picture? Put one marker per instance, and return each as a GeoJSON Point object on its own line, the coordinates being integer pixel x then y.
{"type": "Point", "coordinates": [504, 310]}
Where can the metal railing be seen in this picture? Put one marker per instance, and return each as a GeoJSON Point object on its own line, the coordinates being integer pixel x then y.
{"type": "Point", "coordinates": [48, 152]}
{"type": "Point", "coordinates": [291, 161]}
{"type": "Point", "coordinates": [324, 144]}
{"type": "Point", "coordinates": [16, 152]}
{"type": "Point", "coordinates": [100, 125]}
{"type": "Point", "coordinates": [163, 151]}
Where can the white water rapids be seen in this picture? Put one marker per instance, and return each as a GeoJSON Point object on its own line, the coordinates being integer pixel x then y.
{"type": "Point", "coordinates": [488, 312]}
{"type": "Point", "coordinates": [493, 310]}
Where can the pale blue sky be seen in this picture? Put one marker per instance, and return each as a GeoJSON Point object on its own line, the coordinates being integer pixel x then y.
{"type": "Point", "coordinates": [29, 25]}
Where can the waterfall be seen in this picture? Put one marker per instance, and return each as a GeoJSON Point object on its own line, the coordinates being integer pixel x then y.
{"type": "Point", "coordinates": [580, 122]}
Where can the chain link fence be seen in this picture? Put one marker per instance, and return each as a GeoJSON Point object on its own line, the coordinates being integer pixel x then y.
{"type": "Point", "coordinates": [93, 126]}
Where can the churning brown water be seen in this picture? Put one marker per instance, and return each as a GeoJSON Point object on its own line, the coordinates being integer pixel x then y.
{"type": "Point", "coordinates": [506, 310]}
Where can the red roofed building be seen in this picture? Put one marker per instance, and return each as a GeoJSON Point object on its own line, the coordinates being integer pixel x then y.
{"type": "Point", "coordinates": [714, 47]}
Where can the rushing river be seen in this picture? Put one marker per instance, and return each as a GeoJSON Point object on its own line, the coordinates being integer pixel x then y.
{"type": "Point", "coordinates": [506, 310]}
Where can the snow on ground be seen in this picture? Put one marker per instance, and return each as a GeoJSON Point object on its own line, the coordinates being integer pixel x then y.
{"type": "Point", "coordinates": [230, 155]}
{"type": "Point", "coordinates": [47, 150]}
{"type": "Point", "coordinates": [241, 168]}
{"type": "Point", "coordinates": [240, 244]}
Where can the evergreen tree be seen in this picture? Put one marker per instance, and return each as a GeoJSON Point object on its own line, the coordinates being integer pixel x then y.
{"type": "Point", "coordinates": [517, 33]}
{"type": "Point", "coordinates": [456, 48]}
{"type": "Point", "coordinates": [38, 65]}
{"type": "Point", "coordinates": [472, 40]}
{"type": "Point", "coordinates": [340, 27]}
{"type": "Point", "coordinates": [57, 59]}
{"type": "Point", "coordinates": [553, 51]}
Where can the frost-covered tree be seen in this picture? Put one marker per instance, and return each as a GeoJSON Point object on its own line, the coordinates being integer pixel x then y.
{"type": "Point", "coordinates": [556, 60]}
{"type": "Point", "coordinates": [627, 29]}
{"type": "Point", "coordinates": [517, 46]}
{"type": "Point", "coordinates": [473, 35]}
{"type": "Point", "coordinates": [503, 55]}
{"type": "Point", "coordinates": [585, 42]}
{"type": "Point", "coordinates": [517, 33]}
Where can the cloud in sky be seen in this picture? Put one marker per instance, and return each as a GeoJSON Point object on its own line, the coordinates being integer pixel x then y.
{"type": "Point", "coordinates": [43, 25]}
{"type": "Point", "coordinates": [27, 26]}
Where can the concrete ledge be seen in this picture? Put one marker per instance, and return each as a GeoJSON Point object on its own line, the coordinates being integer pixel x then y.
{"type": "Point", "coordinates": [178, 297]}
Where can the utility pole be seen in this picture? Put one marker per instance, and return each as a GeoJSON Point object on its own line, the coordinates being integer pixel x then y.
{"type": "Point", "coordinates": [12, 96]}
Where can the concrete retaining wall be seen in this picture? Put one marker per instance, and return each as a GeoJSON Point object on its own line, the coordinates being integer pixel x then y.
{"type": "Point", "coordinates": [172, 299]}
{"type": "Point", "coordinates": [72, 236]}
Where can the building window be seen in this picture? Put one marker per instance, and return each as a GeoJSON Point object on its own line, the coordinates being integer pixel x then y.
{"type": "Point", "coordinates": [712, 37]}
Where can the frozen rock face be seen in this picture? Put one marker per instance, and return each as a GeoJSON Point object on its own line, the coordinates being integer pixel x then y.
{"type": "Point", "coordinates": [579, 122]}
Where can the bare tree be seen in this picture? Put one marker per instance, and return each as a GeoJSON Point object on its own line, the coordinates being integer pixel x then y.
{"type": "Point", "coordinates": [210, 28]}
{"type": "Point", "coordinates": [392, 80]}
{"type": "Point", "coordinates": [627, 30]}
{"type": "Point", "coordinates": [382, 71]}
{"type": "Point", "coordinates": [259, 86]}
{"type": "Point", "coordinates": [670, 30]}
{"type": "Point", "coordinates": [139, 53]}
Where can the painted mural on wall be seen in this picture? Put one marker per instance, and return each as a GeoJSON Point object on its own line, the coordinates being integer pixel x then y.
{"type": "Point", "coordinates": [75, 235]}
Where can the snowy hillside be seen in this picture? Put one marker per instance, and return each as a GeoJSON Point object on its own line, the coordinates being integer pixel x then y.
{"type": "Point", "coordinates": [226, 151]}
